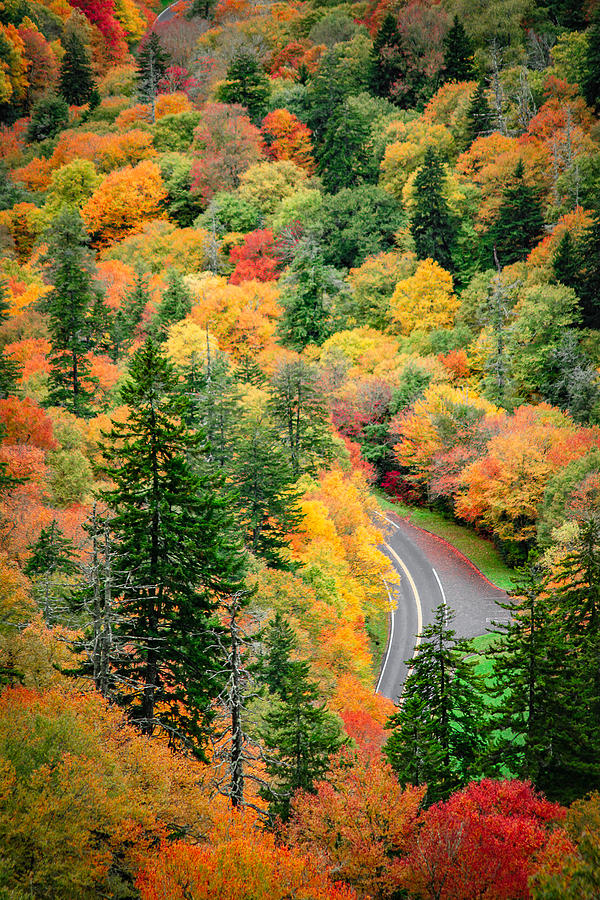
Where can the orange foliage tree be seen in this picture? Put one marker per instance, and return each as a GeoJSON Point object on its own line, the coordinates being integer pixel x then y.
{"type": "Point", "coordinates": [503, 489]}
{"type": "Point", "coordinates": [286, 137]}
{"type": "Point", "coordinates": [123, 202]}
{"type": "Point", "coordinates": [240, 863]}
{"type": "Point", "coordinates": [357, 824]}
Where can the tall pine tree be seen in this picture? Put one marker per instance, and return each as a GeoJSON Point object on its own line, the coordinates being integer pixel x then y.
{"type": "Point", "coordinates": [480, 118]}
{"type": "Point", "coordinates": [591, 64]}
{"type": "Point", "coordinates": [301, 735]}
{"type": "Point", "coordinates": [246, 84]}
{"type": "Point", "coordinates": [385, 61]}
{"type": "Point", "coordinates": [128, 317]}
{"type": "Point", "coordinates": [152, 63]}
{"type": "Point", "coordinates": [439, 734]}
{"type": "Point", "coordinates": [520, 221]}
{"type": "Point", "coordinates": [431, 225]}
{"type": "Point", "coordinates": [309, 288]}
{"type": "Point", "coordinates": [458, 53]}
{"type": "Point", "coordinates": [76, 80]}
{"type": "Point", "coordinates": [175, 304]}
{"type": "Point", "coordinates": [70, 269]}
{"type": "Point", "coordinates": [175, 554]}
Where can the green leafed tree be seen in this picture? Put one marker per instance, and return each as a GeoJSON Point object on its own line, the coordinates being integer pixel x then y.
{"type": "Point", "coordinates": [438, 734]}
{"type": "Point", "coordinates": [76, 79]}
{"type": "Point", "coordinates": [265, 493]}
{"type": "Point", "coordinates": [70, 269]}
{"type": "Point", "coordinates": [458, 53]}
{"type": "Point", "coordinates": [591, 64]}
{"type": "Point", "coordinates": [480, 118]}
{"type": "Point", "coordinates": [300, 412]}
{"type": "Point", "coordinates": [309, 288]}
{"type": "Point", "coordinates": [246, 84]}
{"type": "Point", "coordinates": [175, 554]}
{"type": "Point", "coordinates": [52, 560]}
{"type": "Point", "coordinates": [431, 224]}
{"type": "Point", "coordinates": [175, 304]}
{"type": "Point", "coordinates": [300, 735]}
{"type": "Point", "coordinates": [152, 63]}
{"type": "Point", "coordinates": [50, 114]}
{"type": "Point", "coordinates": [520, 221]}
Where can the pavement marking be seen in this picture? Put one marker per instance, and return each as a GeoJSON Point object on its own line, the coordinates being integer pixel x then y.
{"type": "Point", "coordinates": [390, 639]}
{"type": "Point", "coordinates": [442, 592]}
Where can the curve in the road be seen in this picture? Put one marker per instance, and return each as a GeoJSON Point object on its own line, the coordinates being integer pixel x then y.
{"type": "Point", "coordinates": [431, 572]}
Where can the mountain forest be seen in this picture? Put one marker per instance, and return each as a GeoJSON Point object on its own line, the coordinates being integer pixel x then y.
{"type": "Point", "coordinates": [273, 272]}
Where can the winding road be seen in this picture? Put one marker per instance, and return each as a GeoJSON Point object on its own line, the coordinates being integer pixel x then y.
{"type": "Point", "coordinates": [431, 572]}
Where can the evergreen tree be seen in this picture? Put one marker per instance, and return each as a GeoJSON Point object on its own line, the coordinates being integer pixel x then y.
{"type": "Point", "coordinates": [175, 304]}
{"type": "Point", "coordinates": [524, 658]}
{"type": "Point", "coordinates": [572, 381]}
{"type": "Point", "coordinates": [309, 287]}
{"type": "Point", "coordinates": [50, 114]}
{"type": "Point", "coordinates": [431, 225]}
{"type": "Point", "coordinates": [300, 411]}
{"type": "Point", "coordinates": [10, 369]}
{"type": "Point", "coordinates": [128, 317]}
{"type": "Point", "coordinates": [548, 675]}
{"type": "Point", "coordinates": [520, 221]}
{"type": "Point", "coordinates": [152, 63]}
{"type": "Point", "coordinates": [439, 734]}
{"type": "Point", "coordinates": [265, 495]}
{"type": "Point", "coordinates": [76, 81]}
{"type": "Point", "coordinates": [301, 735]}
{"type": "Point", "coordinates": [385, 62]}
{"type": "Point", "coordinates": [214, 406]}
{"type": "Point", "coordinates": [591, 65]}
{"type": "Point", "coordinates": [480, 118]}
{"type": "Point", "coordinates": [246, 84]}
{"type": "Point", "coordinates": [175, 554]}
{"type": "Point", "coordinates": [70, 268]}
{"type": "Point", "coordinates": [52, 559]}
{"type": "Point", "coordinates": [588, 288]}
{"type": "Point", "coordinates": [566, 263]}
{"type": "Point", "coordinates": [281, 644]}
{"type": "Point", "coordinates": [458, 53]}
{"type": "Point", "coordinates": [346, 156]}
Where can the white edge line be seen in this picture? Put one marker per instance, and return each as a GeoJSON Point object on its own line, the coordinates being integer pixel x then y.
{"type": "Point", "coordinates": [390, 638]}
{"type": "Point", "coordinates": [442, 592]}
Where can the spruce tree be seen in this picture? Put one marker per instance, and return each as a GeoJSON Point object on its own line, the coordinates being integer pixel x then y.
{"type": "Point", "coordinates": [309, 287]}
{"type": "Point", "coordinates": [385, 62]}
{"type": "Point", "coordinates": [520, 221]}
{"type": "Point", "coordinates": [175, 554]}
{"type": "Point", "coordinates": [439, 733]}
{"type": "Point", "coordinates": [246, 84]}
{"type": "Point", "coordinates": [301, 736]}
{"type": "Point", "coordinates": [346, 156]}
{"type": "Point", "coordinates": [50, 114]}
{"type": "Point", "coordinates": [591, 64]}
{"type": "Point", "coordinates": [281, 644]}
{"type": "Point", "coordinates": [300, 412]}
{"type": "Point", "coordinates": [566, 262]}
{"type": "Point", "coordinates": [458, 53]}
{"type": "Point", "coordinates": [175, 304]}
{"type": "Point", "coordinates": [128, 317]}
{"type": "Point", "coordinates": [70, 268]}
{"type": "Point", "coordinates": [52, 559]}
{"type": "Point", "coordinates": [265, 494]}
{"type": "Point", "coordinates": [431, 225]}
{"type": "Point", "coordinates": [152, 63]}
{"type": "Point", "coordinates": [589, 281]}
{"type": "Point", "coordinates": [76, 80]}
{"type": "Point", "coordinates": [480, 118]}
{"type": "Point", "coordinates": [214, 406]}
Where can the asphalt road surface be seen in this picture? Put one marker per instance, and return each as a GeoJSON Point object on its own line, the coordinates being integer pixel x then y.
{"type": "Point", "coordinates": [431, 572]}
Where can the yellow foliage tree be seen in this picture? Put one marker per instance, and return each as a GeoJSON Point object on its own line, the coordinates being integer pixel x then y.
{"type": "Point", "coordinates": [426, 300]}
{"type": "Point", "coordinates": [407, 152]}
{"type": "Point", "coordinates": [188, 344]}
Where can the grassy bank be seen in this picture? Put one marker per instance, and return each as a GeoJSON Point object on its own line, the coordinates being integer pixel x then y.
{"type": "Point", "coordinates": [480, 551]}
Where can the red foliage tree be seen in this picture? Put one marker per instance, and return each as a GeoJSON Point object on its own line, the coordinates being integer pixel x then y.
{"type": "Point", "coordinates": [24, 422]}
{"type": "Point", "coordinates": [485, 841]}
{"type": "Point", "coordinates": [286, 137]}
{"type": "Point", "coordinates": [257, 259]}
